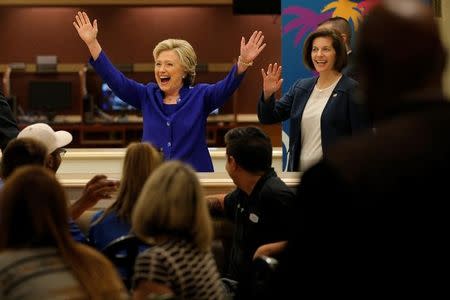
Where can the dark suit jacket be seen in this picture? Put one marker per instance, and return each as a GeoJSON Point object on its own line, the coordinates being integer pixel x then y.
{"type": "Point", "coordinates": [342, 116]}
{"type": "Point", "coordinates": [8, 125]}
{"type": "Point", "coordinates": [351, 69]}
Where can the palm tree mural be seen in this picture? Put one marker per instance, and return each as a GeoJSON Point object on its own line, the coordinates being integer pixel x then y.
{"type": "Point", "coordinates": [366, 5]}
{"type": "Point", "coordinates": [346, 9]}
{"type": "Point", "coordinates": [306, 20]}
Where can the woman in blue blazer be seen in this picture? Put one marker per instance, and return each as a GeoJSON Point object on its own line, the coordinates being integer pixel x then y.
{"type": "Point", "coordinates": [174, 110]}
{"type": "Point", "coordinates": [321, 109]}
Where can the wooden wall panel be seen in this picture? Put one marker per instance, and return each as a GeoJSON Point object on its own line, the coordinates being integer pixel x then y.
{"type": "Point", "coordinates": [129, 33]}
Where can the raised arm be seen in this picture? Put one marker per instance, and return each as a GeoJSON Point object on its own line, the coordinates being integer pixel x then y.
{"type": "Point", "coordinates": [216, 204]}
{"type": "Point", "coordinates": [88, 33]}
{"type": "Point", "coordinates": [83, 86]}
{"type": "Point", "coordinates": [7, 82]}
{"type": "Point", "coordinates": [250, 51]}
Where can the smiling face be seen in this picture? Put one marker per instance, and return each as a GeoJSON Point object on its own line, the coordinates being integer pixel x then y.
{"type": "Point", "coordinates": [323, 54]}
{"type": "Point", "coordinates": [169, 72]}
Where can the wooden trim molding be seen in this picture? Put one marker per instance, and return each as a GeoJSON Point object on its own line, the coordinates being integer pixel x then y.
{"type": "Point", "coordinates": [113, 2]}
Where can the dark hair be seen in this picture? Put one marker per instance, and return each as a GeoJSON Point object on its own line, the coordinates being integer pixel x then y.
{"type": "Point", "coordinates": [387, 71]}
{"type": "Point", "coordinates": [250, 147]}
{"type": "Point", "coordinates": [33, 210]}
{"type": "Point", "coordinates": [423, 56]}
{"type": "Point", "coordinates": [20, 152]}
{"type": "Point", "coordinates": [338, 45]}
{"type": "Point", "coordinates": [339, 24]}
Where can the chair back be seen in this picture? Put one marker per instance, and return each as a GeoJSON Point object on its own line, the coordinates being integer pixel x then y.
{"type": "Point", "coordinates": [123, 252]}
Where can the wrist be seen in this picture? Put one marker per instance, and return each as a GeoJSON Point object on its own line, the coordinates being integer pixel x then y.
{"type": "Point", "coordinates": [244, 63]}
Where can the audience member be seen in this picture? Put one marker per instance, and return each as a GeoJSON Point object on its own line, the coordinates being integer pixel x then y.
{"type": "Point", "coordinates": [259, 205]}
{"type": "Point", "coordinates": [20, 152]}
{"type": "Point", "coordinates": [374, 219]}
{"type": "Point", "coordinates": [141, 159]}
{"type": "Point", "coordinates": [28, 151]}
{"type": "Point", "coordinates": [321, 109]}
{"type": "Point", "coordinates": [172, 215]}
{"type": "Point", "coordinates": [97, 188]}
{"type": "Point", "coordinates": [38, 258]}
{"type": "Point", "coordinates": [174, 110]}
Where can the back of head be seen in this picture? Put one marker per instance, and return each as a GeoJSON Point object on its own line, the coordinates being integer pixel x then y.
{"type": "Point", "coordinates": [20, 152]}
{"type": "Point", "coordinates": [400, 53]}
{"type": "Point", "coordinates": [186, 54]}
{"type": "Point", "coordinates": [250, 147]}
{"type": "Point", "coordinates": [339, 24]}
{"type": "Point", "coordinates": [33, 210]}
{"type": "Point", "coordinates": [141, 159]}
{"type": "Point", "coordinates": [33, 214]}
{"type": "Point", "coordinates": [171, 204]}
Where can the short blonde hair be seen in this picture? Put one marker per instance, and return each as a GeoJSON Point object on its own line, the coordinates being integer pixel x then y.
{"type": "Point", "coordinates": [186, 54]}
{"type": "Point", "coordinates": [171, 204]}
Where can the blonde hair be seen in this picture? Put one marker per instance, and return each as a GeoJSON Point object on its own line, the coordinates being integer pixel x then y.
{"type": "Point", "coordinates": [186, 54]}
{"type": "Point", "coordinates": [34, 214]}
{"type": "Point", "coordinates": [141, 159]}
{"type": "Point", "coordinates": [171, 204]}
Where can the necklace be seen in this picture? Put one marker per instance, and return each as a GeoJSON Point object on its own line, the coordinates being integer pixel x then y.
{"type": "Point", "coordinates": [328, 86]}
{"type": "Point", "coordinates": [172, 100]}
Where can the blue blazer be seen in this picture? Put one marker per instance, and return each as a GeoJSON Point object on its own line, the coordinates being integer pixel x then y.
{"type": "Point", "coordinates": [180, 135]}
{"type": "Point", "coordinates": [341, 117]}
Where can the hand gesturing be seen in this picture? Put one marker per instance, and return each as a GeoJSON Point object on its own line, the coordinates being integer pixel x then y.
{"type": "Point", "coordinates": [254, 46]}
{"type": "Point", "coordinates": [271, 80]}
{"type": "Point", "coordinates": [86, 30]}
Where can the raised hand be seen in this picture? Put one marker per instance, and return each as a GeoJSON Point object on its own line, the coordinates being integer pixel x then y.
{"type": "Point", "coordinates": [88, 32]}
{"type": "Point", "coordinates": [99, 187]}
{"type": "Point", "coordinates": [271, 80]}
{"type": "Point", "coordinates": [250, 50]}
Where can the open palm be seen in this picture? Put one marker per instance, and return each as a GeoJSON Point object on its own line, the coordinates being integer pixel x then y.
{"type": "Point", "coordinates": [86, 30]}
{"type": "Point", "coordinates": [271, 80]}
{"type": "Point", "coordinates": [254, 46]}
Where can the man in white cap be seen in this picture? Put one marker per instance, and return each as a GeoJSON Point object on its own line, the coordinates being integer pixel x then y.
{"type": "Point", "coordinates": [97, 188]}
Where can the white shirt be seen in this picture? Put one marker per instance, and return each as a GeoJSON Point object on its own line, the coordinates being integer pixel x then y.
{"type": "Point", "coordinates": [311, 137]}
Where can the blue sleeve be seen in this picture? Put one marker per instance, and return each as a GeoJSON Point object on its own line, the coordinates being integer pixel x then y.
{"type": "Point", "coordinates": [92, 229]}
{"type": "Point", "coordinates": [273, 111]}
{"type": "Point", "coordinates": [76, 232]}
{"type": "Point", "coordinates": [126, 89]}
{"type": "Point", "coordinates": [217, 94]}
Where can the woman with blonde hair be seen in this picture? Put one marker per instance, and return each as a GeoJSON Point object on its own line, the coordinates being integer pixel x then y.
{"type": "Point", "coordinates": [38, 257]}
{"type": "Point", "coordinates": [141, 159]}
{"type": "Point", "coordinates": [172, 215]}
{"type": "Point", "coordinates": [174, 110]}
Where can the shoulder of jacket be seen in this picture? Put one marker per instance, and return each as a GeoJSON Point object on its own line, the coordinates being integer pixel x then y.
{"type": "Point", "coordinates": [306, 83]}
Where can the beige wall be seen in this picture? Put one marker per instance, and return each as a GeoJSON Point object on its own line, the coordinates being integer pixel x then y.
{"type": "Point", "coordinates": [445, 31]}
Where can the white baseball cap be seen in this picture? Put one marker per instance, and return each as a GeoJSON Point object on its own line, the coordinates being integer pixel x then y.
{"type": "Point", "coordinates": [46, 135]}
